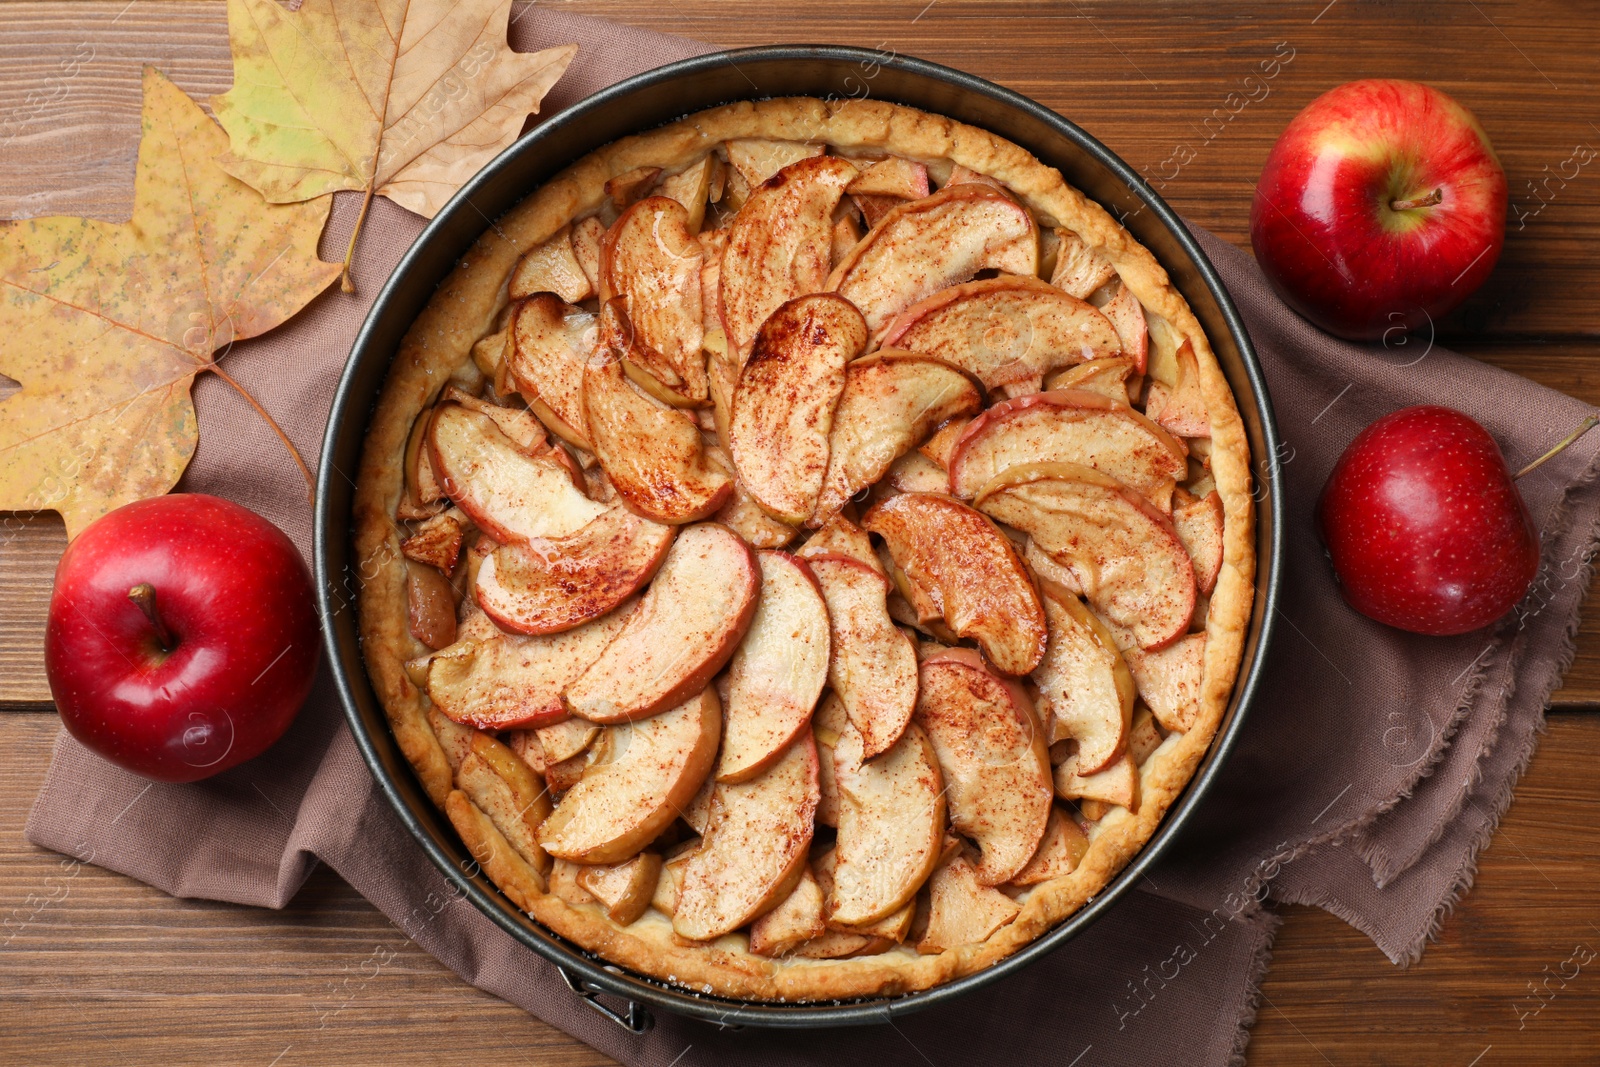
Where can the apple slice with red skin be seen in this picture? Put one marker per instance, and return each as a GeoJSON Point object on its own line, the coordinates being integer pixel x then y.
{"type": "Point", "coordinates": [926, 245]}
{"type": "Point", "coordinates": [993, 758]}
{"type": "Point", "coordinates": [778, 671]}
{"type": "Point", "coordinates": [1169, 680]}
{"type": "Point", "coordinates": [970, 570]}
{"type": "Point", "coordinates": [511, 682]}
{"type": "Point", "coordinates": [754, 850]}
{"type": "Point", "coordinates": [550, 342]}
{"type": "Point", "coordinates": [688, 624]}
{"type": "Point", "coordinates": [1005, 330]}
{"type": "Point", "coordinates": [886, 184]}
{"type": "Point", "coordinates": [651, 453]}
{"type": "Point", "coordinates": [780, 245]}
{"type": "Point", "coordinates": [641, 777]}
{"type": "Point", "coordinates": [1068, 425]}
{"type": "Point", "coordinates": [1199, 522]}
{"type": "Point", "coordinates": [841, 537]}
{"type": "Point", "coordinates": [1086, 691]}
{"type": "Point", "coordinates": [827, 723]}
{"type": "Point", "coordinates": [891, 826]}
{"type": "Point", "coordinates": [552, 585]}
{"type": "Point", "coordinates": [1124, 553]}
{"type": "Point", "coordinates": [874, 664]}
{"type": "Point", "coordinates": [1127, 315]}
{"type": "Point", "coordinates": [891, 402]}
{"type": "Point", "coordinates": [1108, 377]}
{"type": "Point", "coordinates": [783, 406]}
{"type": "Point", "coordinates": [509, 494]}
{"type": "Point", "coordinates": [1080, 270]}
{"type": "Point", "coordinates": [651, 260]}
{"type": "Point", "coordinates": [517, 423]}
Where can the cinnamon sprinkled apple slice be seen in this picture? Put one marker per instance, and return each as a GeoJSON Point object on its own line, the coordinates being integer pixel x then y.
{"type": "Point", "coordinates": [874, 664]}
{"type": "Point", "coordinates": [651, 261]}
{"type": "Point", "coordinates": [926, 245]}
{"type": "Point", "coordinates": [780, 245]}
{"type": "Point", "coordinates": [970, 570]}
{"type": "Point", "coordinates": [550, 342]}
{"type": "Point", "coordinates": [1085, 687]}
{"type": "Point", "coordinates": [1124, 554]}
{"type": "Point", "coordinates": [1068, 425]}
{"type": "Point", "coordinates": [1004, 330]}
{"type": "Point", "coordinates": [688, 624]}
{"type": "Point", "coordinates": [784, 403]}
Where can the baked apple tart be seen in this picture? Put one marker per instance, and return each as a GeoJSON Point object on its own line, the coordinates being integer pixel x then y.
{"type": "Point", "coordinates": [806, 548]}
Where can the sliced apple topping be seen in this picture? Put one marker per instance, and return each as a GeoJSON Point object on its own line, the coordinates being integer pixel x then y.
{"type": "Point", "coordinates": [1108, 377]}
{"type": "Point", "coordinates": [778, 671]}
{"type": "Point", "coordinates": [430, 605]}
{"type": "Point", "coordinates": [1004, 331]}
{"type": "Point", "coordinates": [894, 176]}
{"type": "Point", "coordinates": [688, 624]}
{"type": "Point", "coordinates": [916, 473]}
{"type": "Point", "coordinates": [755, 848]}
{"type": "Point", "coordinates": [1146, 735]}
{"type": "Point", "coordinates": [423, 496]}
{"type": "Point", "coordinates": [1199, 522]}
{"type": "Point", "coordinates": [1070, 426]}
{"type": "Point", "coordinates": [506, 789]}
{"type": "Point", "coordinates": [962, 910]}
{"type": "Point", "coordinates": [758, 159]}
{"type": "Point", "coordinates": [651, 453]}
{"type": "Point", "coordinates": [1116, 784]}
{"type": "Point", "coordinates": [742, 514]}
{"type": "Point", "coordinates": [1181, 408]}
{"type": "Point", "coordinates": [623, 889]}
{"type": "Point", "coordinates": [517, 423]}
{"type": "Point", "coordinates": [642, 775]}
{"type": "Point", "coordinates": [1080, 270]}
{"type": "Point", "coordinates": [551, 267]}
{"type": "Point", "coordinates": [926, 245]}
{"type": "Point", "coordinates": [793, 922]}
{"type": "Point", "coordinates": [892, 926]}
{"type": "Point", "coordinates": [626, 188]}
{"type": "Point", "coordinates": [507, 682]}
{"type": "Point", "coordinates": [827, 724]}
{"type": "Point", "coordinates": [992, 756]}
{"type": "Point", "coordinates": [779, 245]}
{"type": "Point", "coordinates": [1085, 687]}
{"type": "Point", "coordinates": [891, 826]}
{"type": "Point", "coordinates": [847, 233]}
{"type": "Point", "coordinates": [513, 496]}
{"type": "Point", "coordinates": [841, 537]}
{"type": "Point", "coordinates": [436, 542]}
{"type": "Point", "coordinates": [784, 403]}
{"type": "Point", "coordinates": [586, 237]}
{"type": "Point", "coordinates": [561, 741]}
{"type": "Point", "coordinates": [691, 187]}
{"type": "Point", "coordinates": [550, 342]}
{"type": "Point", "coordinates": [969, 570]}
{"type": "Point", "coordinates": [1169, 680]}
{"type": "Point", "coordinates": [942, 445]}
{"type": "Point", "coordinates": [1062, 849]}
{"type": "Point", "coordinates": [552, 585]}
{"type": "Point", "coordinates": [874, 665]}
{"type": "Point", "coordinates": [891, 402]}
{"type": "Point", "coordinates": [1117, 302]}
{"type": "Point", "coordinates": [1124, 554]}
{"type": "Point", "coordinates": [650, 260]}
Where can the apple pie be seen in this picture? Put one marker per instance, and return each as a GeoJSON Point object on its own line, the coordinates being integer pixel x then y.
{"type": "Point", "coordinates": [805, 550]}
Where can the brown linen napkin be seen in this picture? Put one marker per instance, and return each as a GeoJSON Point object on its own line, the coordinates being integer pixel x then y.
{"type": "Point", "coordinates": [1328, 798]}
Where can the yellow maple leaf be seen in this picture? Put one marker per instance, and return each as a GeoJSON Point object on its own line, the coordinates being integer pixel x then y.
{"type": "Point", "coordinates": [106, 324]}
{"type": "Point", "coordinates": [405, 99]}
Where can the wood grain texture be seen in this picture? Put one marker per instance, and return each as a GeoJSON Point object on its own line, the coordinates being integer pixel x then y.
{"type": "Point", "coordinates": [97, 968]}
{"type": "Point", "coordinates": [329, 979]}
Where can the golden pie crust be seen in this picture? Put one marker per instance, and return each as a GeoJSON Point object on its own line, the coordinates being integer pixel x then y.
{"type": "Point", "coordinates": [465, 309]}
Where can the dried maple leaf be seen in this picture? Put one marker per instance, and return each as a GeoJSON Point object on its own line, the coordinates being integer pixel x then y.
{"type": "Point", "coordinates": [115, 319]}
{"type": "Point", "coordinates": [403, 98]}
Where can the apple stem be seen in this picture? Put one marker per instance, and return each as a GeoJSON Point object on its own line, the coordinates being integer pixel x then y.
{"type": "Point", "coordinates": [1417, 201]}
{"type": "Point", "coordinates": [1583, 427]}
{"type": "Point", "coordinates": [144, 595]}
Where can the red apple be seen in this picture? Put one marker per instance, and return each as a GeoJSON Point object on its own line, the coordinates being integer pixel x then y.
{"type": "Point", "coordinates": [182, 636]}
{"type": "Point", "coordinates": [1380, 208]}
{"type": "Point", "coordinates": [1425, 526]}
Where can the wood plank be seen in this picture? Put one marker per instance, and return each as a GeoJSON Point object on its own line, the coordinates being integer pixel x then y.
{"type": "Point", "coordinates": [1150, 80]}
{"type": "Point", "coordinates": [244, 985]}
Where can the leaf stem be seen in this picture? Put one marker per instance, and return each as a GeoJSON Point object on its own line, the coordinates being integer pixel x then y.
{"type": "Point", "coordinates": [305, 471]}
{"type": "Point", "coordinates": [1583, 427]}
{"type": "Point", "coordinates": [346, 283]}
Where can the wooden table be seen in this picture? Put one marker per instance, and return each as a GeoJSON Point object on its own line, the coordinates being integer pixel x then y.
{"type": "Point", "coordinates": [97, 968]}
